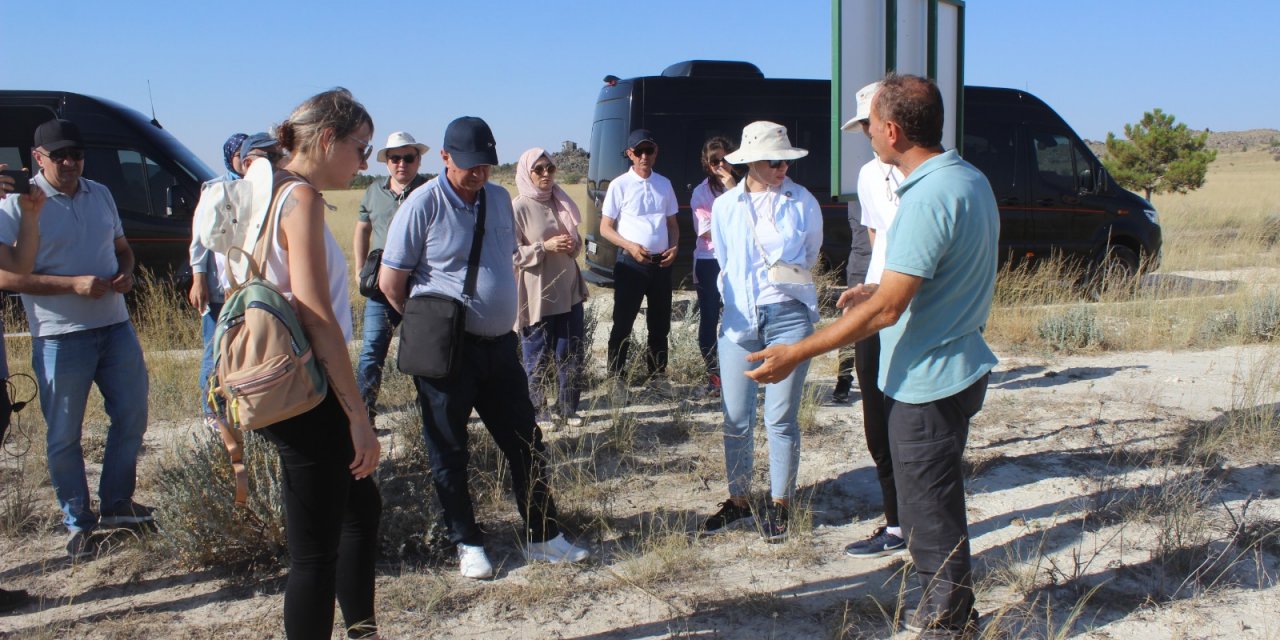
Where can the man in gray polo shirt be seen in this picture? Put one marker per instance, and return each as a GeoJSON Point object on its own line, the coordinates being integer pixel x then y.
{"type": "Point", "coordinates": [81, 335]}
{"type": "Point", "coordinates": [427, 248]}
{"type": "Point", "coordinates": [382, 199]}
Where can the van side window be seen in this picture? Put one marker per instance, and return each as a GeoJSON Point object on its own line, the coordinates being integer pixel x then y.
{"type": "Point", "coordinates": [992, 149]}
{"type": "Point", "coordinates": [136, 182]}
{"type": "Point", "coordinates": [1053, 164]}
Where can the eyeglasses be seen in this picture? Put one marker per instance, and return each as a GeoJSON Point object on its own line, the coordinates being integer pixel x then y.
{"type": "Point", "coordinates": [75, 155]}
{"type": "Point", "coordinates": [774, 164]}
{"type": "Point", "coordinates": [645, 151]}
{"type": "Point", "coordinates": [407, 158]}
{"type": "Point", "coordinates": [544, 169]}
{"type": "Point", "coordinates": [364, 149]}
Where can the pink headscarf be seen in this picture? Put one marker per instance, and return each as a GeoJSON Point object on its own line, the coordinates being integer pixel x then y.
{"type": "Point", "coordinates": [566, 210]}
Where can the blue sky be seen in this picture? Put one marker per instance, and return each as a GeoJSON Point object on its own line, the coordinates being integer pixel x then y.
{"type": "Point", "coordinates": [532, 69]}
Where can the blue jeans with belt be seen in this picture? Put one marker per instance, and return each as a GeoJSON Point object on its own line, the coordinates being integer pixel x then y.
{"type": "Point", "coordinates": [781, 323]}
{"type": "Point", "coordinates": [65, 366]}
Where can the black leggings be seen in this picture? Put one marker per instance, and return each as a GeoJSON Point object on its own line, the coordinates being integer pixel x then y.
{"type": "Point", "coordinates": [332, 524]}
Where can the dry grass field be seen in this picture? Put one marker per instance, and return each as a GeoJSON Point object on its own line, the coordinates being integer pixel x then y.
{"type": "Point", "coordinates": [1123, 480]}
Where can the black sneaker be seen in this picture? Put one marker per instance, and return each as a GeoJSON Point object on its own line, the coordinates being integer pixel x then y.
{"type": "Point", "coordinates": [776, 520]}
{"type": "Point", "coordinates": [729, 515]}
{"type": "Point", "coordinates": [11, 600]}
{"type": "Point", "coordinates": [131, 514]}
{"type": "Point", "coordinates": [840, 396]}
{"type": "Point", "coordinates": [82, 545]}
{"type": "Point", "coordinates": [881, 543]}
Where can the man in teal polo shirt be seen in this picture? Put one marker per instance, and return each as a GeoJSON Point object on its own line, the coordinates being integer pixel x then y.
{"type": "Point", "coordinates": [930, 308]}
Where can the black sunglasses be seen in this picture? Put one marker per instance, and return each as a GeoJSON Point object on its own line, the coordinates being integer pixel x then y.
{"type": "Point", "coordinates": [407, 158]}
{"type": "Point", "coordinates": [774, 164]}
{"type": "Point", "coordinates": [63, 154]}
{"type": "Point", "coordinates": [644, 151]}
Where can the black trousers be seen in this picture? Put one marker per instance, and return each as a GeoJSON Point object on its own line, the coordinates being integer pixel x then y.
{"type": "Point", "coordinates": [490, 379]}
{"type": "Point", "coordinates": [632, 283]}
{"type": "Point", "coordinates": [331, 521]}
{"type": "Point", "coordinates": [928, 442]}
{"type": "Point", "coordinates": [875, 422]}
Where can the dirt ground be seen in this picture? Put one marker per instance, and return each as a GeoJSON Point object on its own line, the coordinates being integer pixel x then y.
{"type": "Point", "coordinates": [1062, 449]}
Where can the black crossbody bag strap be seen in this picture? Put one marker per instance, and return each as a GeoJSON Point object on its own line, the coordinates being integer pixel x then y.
{"type": "Point", "coordinates": [473, 261]}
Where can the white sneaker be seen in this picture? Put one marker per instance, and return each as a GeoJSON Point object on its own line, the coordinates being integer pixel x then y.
{"type": "Point", "coordinates": [573, 420]}
{"type": "Point", "coordinates": [555, 550]}
{"type": "Point", "coordinates": [473, 563]}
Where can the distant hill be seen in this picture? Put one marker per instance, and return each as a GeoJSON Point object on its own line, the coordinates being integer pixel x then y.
{"type": "Point", "coordinates": [1223, 141]}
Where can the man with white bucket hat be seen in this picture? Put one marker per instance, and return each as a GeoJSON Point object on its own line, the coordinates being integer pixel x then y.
{"type": "Point", "coordinates": [931, 308]}
{"type": "Point", "coordinates": [382, 199]}
{"type": "Point", "coordinates": [767, 233]}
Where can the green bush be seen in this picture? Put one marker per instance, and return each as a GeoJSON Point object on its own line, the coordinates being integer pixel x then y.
{"type": "Point", "coordinates": [198, 518]}
{"type": "Point", "coordinates": [1072, 330]}
{"type": "Point", "coordinates": [1262, 319]}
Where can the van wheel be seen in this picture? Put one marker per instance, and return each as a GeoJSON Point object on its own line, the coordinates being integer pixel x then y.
{"type": "Point", "coordinates": [1112, 272]}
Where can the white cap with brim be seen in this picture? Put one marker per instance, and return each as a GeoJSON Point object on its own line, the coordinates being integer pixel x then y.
{"type": "Point", "coordinates": [230, 213]}
{"type": "Point", "coordinates": [401, 139]}
{"type": "Point", "coordinates": [763, 140]}
{"type": "Point", "coordinates": [864, 98]}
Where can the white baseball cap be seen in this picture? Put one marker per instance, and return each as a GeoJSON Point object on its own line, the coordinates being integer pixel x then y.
{"type": "Point", "coordinates": [864, 97]}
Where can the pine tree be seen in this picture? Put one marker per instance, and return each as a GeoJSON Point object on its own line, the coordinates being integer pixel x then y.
{"type": "Point", "coordinates": [1159, 155]}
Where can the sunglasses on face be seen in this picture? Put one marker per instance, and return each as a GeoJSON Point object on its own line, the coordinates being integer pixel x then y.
{"type": "Point", "coordinates": [774, 164]}
{"type": "Point", "coordinates": [544, 169]}
{"type": "Point", "coordinates": [644, 151]}
{"type": "Point", "coordinates": [407, 158]}
{"type": "Point", "coordinates": [75, 155]}
{"type": "Point", "coordinates": [362, 147]}
{"type": "Point", "coordinates": [714, 161]}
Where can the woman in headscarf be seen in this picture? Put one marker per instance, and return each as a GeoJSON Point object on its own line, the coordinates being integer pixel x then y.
{"type": "Point", "coordinates": [550, 289]}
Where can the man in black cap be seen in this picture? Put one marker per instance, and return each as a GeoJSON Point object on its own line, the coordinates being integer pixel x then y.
{"type": "Point", "coordinates": [81, 335]}
{"type": "Point", "coordinates": [427, 249]}
{"type": "Point", "coordinates": [638, 216]}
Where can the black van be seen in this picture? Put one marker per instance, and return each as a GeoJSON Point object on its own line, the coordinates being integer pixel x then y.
{"type": "Point", "coordinates": [1054, 195]}
{"type": "Point", "coordinates": [154, 179]}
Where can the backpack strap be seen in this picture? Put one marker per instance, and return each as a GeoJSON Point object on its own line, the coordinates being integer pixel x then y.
{"type": "Point", "coordinates": [233, 440]}
{"type": "Point", "coordinates": [473, 261]}
{"type": "Point", "coordinates": [257, 258]}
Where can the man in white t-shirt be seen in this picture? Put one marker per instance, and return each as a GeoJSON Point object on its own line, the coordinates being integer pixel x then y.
{"type": "Point", "coordinates": [639, 218]}
{"type": "Point", "coordinates": [877, 186]}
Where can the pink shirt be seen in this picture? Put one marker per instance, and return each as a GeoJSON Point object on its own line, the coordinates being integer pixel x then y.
{"type": "Point", "coordinates": [700, 206]}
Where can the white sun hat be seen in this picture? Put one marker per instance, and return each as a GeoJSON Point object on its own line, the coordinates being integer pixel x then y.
{"type": "Point", "coordinates": [764, 140]}
{"type": "Point", "coordinates": [401, 139]}
{"type": "Point", "coordinates": [864, 97]}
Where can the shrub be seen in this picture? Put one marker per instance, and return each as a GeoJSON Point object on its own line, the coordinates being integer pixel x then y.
{"type": "Point", "coordinates": [1072, 330]}
{"type": "Point", "coordinates": [199, 520]}
{"type": "Point", "coordinates": [1262, 319]}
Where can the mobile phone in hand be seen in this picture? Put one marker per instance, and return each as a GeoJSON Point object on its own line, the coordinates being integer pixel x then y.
{"type": "Point", "coordinates": [21, 181]}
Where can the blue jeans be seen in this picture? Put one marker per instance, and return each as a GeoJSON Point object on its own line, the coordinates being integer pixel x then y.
{"type": "Point", "coordinates": [380, 322]}
{"type": "Point", "coordinates": [555, 344]}
{"type": "Point", "coordinates": [65, 365]}
{"type": "Point", "coordinates": [208, 324]}
{"type": "Point", "coordinates": [705, 273]}
{"type": "Point", "coordinates": [781, 323]}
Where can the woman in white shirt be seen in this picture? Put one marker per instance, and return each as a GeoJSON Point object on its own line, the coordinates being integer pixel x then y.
{"type": "Point", "coordinates": [767, 232]}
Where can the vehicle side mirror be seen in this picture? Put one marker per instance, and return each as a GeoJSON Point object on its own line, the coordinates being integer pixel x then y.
{"type": "Point", "coordinates": [1101, 181]}
{"type": "Point", "coordinates": [178, 203]}
{"type": "Point", "coordinates": [1085, 182]}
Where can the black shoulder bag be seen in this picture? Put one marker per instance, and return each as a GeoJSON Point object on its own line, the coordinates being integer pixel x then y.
{"type": "Point", "coordinates": [369, 277]}
{"type": "Point", "coordinates": [431, 335]}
